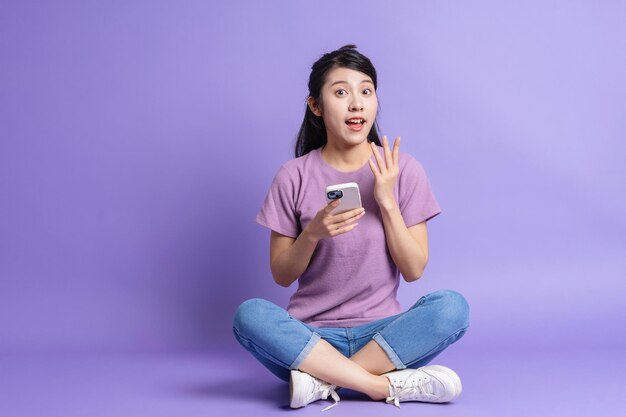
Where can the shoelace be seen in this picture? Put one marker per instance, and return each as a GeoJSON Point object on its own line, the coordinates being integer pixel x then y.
{"type": "Point", "coordinates": [326, 390]}
{"type": "Point", "coordinates": [413, 388]}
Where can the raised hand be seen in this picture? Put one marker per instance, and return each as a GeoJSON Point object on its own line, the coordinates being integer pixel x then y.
{"type": "Point", "coordinates": [386, 172]}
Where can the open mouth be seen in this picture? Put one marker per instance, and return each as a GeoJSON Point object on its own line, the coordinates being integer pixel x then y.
{"type": "Point", "coordinates": [355, 121]}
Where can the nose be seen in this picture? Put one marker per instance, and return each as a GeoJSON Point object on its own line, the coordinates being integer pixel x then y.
{"type": "Point", "coordinates": [356, 104]}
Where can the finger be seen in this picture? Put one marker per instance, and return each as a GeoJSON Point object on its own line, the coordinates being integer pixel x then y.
{"type": "Point", "coordinates": [345, 223]}
{"type": "Point", "coordinates": [396, 152]}
{"type": "Point", "coordinates": [374, 168]}
{"type": "Point", "coordinates": [388, 158]}
{"type": "Point", "coordinates": [330, 206]}
{"type": "Point", "coordinates": [347, 215]}
{"type": "Point", "coordinates": [379, 159]}
{"type": "Point", "coordinates": [343, 230]}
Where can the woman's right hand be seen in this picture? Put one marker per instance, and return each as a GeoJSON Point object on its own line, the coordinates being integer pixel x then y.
{"type": "Point", "coordinates": [326, 225]}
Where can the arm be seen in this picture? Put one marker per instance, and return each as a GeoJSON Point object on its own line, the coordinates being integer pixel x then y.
{"type": "Point", "coordinates": [290, 257]}
{"type": "Point", "coordinates": [408, 246]}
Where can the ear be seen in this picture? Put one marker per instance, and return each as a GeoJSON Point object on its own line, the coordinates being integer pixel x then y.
{"type": "Point", "coordinates": [313, 105]}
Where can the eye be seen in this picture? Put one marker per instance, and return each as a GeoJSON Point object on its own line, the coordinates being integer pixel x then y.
{"type": "Point", "coordinates": [341, 92]}
{"type": "Point", "coordinates": [367, 92]}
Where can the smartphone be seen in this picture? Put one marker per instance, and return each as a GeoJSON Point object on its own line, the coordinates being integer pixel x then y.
{"type": "Point", "coordinates": [348, 193]}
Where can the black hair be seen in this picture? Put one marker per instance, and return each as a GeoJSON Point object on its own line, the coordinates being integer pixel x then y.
{"type": "Point", "coordinates": [312, 134]}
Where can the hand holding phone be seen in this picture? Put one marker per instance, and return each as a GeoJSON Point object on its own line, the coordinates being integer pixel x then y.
{"type": "Point", "coordinates": [339, 215]}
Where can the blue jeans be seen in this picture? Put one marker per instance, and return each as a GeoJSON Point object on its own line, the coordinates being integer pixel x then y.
{"type": "Point", "coordinates": [411, 339]}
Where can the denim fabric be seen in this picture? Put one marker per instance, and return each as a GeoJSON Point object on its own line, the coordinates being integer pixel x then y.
{"type": "Point", "coordinates": [411, 339]}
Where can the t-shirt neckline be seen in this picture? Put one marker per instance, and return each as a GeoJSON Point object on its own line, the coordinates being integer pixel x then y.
{"type": "Point", "coordinates": [329, 168]}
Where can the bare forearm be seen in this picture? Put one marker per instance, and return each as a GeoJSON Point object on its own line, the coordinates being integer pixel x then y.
{"type": "Point", "coordinates": [290, 258]}
{"type": "Point", "coordinates": [406, 252]}
{"type": "Point", "coordinates": [291, 263]}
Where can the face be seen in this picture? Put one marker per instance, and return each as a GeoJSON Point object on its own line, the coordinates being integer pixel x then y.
{"type": "Point", "coordinates": [348, 105]}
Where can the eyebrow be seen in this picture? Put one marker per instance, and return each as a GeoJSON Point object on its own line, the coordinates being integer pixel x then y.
{"type": "Point", "coordinates": [367, 80]}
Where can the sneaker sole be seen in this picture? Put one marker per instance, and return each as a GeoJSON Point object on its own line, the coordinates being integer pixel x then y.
{"type": "Point", "coordinates": [451, 376]}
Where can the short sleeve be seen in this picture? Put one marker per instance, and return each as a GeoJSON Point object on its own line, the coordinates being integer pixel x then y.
{"type": "Point", "coordinates": [416, 199]}
{"type": "Point", "coordinates": [278, 211]}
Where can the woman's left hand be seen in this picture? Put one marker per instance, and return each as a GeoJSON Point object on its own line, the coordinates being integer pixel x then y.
{"type": "Point", "coordinates": [385, 173]}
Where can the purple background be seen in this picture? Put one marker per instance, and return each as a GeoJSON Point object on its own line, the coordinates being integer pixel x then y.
{"type": "Point", "coordinates": [138, 140]}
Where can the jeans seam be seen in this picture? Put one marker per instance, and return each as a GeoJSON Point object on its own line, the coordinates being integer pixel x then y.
{"type": "Point", "coordinates": [365, 336]}
{"type": "Point", "coordinates": [436, 348]}
{"type": "Point", "coordinates": [260, 350]}
{"type": "Point", "coordinates": [421, 301]}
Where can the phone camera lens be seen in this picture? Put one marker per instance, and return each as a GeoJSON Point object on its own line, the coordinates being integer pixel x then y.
{"type": "Point", "coordinates": [335, 194]}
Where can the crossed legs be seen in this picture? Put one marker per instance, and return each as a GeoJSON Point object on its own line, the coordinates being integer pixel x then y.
{"type": "Point", "coordinates": [361, 373]}
{"type": "Point", "coordinates": [411, 339]}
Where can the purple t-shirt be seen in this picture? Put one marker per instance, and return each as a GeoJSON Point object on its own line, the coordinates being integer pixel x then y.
{"type": "Point", "coordinates": [351, 279]}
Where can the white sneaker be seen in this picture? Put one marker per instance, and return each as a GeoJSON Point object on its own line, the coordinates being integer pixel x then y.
{"type": "Point", "coordinates": [432, 383]}
{"type": "Point", "coordinates": [304, 389]}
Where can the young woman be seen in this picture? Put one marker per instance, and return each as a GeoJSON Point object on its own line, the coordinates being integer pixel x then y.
{"type": "Point", "coordinates": [343, 327]}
